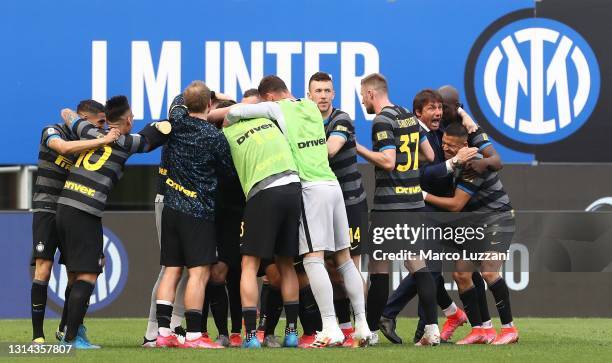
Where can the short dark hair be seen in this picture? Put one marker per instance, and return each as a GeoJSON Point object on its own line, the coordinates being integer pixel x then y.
{"type": "Point", "coordinates": [424, 97]}
{"type": "Point", "coordinates": [90, 106]}
{"type": "Point", "coordinates": [115, 107]}
{"type": "Point", "coordinates": [271, 84]}
{"type": "Point", "coordinates": [250, 93]}
{"type": "Point", "coordinates": [225, 103]}
{"type": "Point", "coordinates": [456, 129]}
{"type": "Point", "coordinates": [319, 77]}
{"type": "Point", "coordinates": [197, 96]}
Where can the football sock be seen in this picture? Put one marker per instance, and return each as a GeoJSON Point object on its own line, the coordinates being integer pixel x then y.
{"type": "Point", "coordinates": [77, 307]}
{"type": "Point", "coordinates": [444, 300]}
{"type": "Point", "coordinates": [310, 317]}
{"type": "Point", "coordinates": [343, 312]}
{"type": "Point", "coordinates": [62, 324]}
{"type": "Point", "coordinates": [193, 318]}
{"type": "Point", "coordinates": [354, 290]}
{"type": "Point", "coordinates": [502, 300]}
{"type": "Point", "coordinates": [482, 296]}
{"type": "Point", "coordinates": [451, 310]}
{"type": "Point", "coordinates": [321, 289]}
{"type": "Point", "coordinates": [205, 306]}
{"type": "Point", "coordinates": [469, 298]}
{"type": "Point", "coordinates": [163, 312]}
{"type": "Point", "coordinates": [38, 295]}
{"type": "Point", "coordinates": [377, 298]}
{"type": "Point", "coordinates": [274, 309]}
{"type": "Point", "coordinates": [263, 305]}
{"type": "Point", "coordinates": [249, 314]}
{"type": "Point", "coordinates": [178, 311]}
{"type": "Point", "coordinates": [426, 289]}
{"type": "Point", "coordinates": [218, 306]}
{"type": "Point", "coordinates": [291, 314]}
{"type": "Point", "coordinates": [233, 294]}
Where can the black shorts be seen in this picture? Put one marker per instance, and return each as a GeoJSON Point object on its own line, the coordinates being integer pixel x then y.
{"type": "Point", "coordinates": [358, 225]}
{"type": "Point", "coordinates": [45, 239]}
{"type": "Point", "coordinates": [81, 239]}
{"type": "Point", "coordinates": [186, 241]}
{"type": "Point", "coordinates": [228, 224]}
{"type": "Point", "coordinates": [271, 222]}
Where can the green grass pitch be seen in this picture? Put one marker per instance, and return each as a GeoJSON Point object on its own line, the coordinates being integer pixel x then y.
{"type": "Point", "coordinates": [551, 340]}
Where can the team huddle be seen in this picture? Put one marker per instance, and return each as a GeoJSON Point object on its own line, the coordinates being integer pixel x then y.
{"type": "Point", "coordinates": [269, 189]}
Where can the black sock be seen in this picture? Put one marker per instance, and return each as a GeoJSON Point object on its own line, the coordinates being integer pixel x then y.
{"type": "Point", "coordinates": [205, 306]}
{"type": "Point", "coordinates": [274, 309]}
{"type": "Point", "coordinates": [502, 300]}
{"type": "Point", "coordinates": [249, 314]}
{"type": "Point", "coordinates": [38, 296]}
{"type": "Point", "coordinates": [263, 305]}
{"type": "Point", "coordinates": [426, 288]}
{"type": "Point", "coordinates": [444, 300]}
{"type": "Point", "coordinates": [343, 310]}
{"type": "Point", "coordinates": [218, 306]}
{"type": "Point", "coordinates": [482, 296]}
{"type": "Point", "coordinates": [310, 317]}
{"type": "Point", "coordinates": [163, 313]}
{"type": "Point", "coordinates": [194, 320]}
{"type": "Point", "coordinates": [233, 294]}
{"type": "Point", "coordinates": [291, 314]}
{"type": "Point", "coordinates": [469, 298]}
{"type": "Point", "coordinates": [77, 306]}
{"type": "Point", "coordinates": [377, 299]}
{"type": "Point", "coordinates": [62, 324]}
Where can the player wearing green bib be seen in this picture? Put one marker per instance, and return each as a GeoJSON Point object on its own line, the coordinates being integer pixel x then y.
{"type": "Point", "coordinates": [268, 176]}
{"type": "Point", "coordinates": [324, 224]}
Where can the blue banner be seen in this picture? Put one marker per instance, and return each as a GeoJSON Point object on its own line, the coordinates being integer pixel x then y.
{"type": "Point", "coordinates": [58, 53]}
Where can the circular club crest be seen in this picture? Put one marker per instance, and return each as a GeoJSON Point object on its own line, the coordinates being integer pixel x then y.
{"type": "Point", "coordinates": [110, 282]}
{"type": "Point", "coordinates": [533, 80]}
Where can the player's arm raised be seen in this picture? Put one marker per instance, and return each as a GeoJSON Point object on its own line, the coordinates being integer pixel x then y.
{"type": "Point", "coordinates": [73, 147]}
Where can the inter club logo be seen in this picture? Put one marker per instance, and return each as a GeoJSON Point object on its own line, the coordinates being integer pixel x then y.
{"type": "Point", "coordinates": [111, 281]}
{"type": "Point", "coordinates": [535, 80]}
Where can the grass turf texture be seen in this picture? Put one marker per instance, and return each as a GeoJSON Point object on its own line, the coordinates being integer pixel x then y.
{"type": "Point", "coordinates": [558, 340]}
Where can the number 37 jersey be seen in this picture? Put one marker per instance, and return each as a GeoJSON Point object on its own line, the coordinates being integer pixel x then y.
{"type": "Point", "coordinates": [396, 128]}
{"type": "Point", "coordinates": [96, 171]}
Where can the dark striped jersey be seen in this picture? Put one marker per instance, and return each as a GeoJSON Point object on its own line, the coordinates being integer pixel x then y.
{"type": "Point", "coordinates": [487, 193]}
{"type": "Point", "coordinates": [479, 139]}
{"type": "Point", "coordinates": [396, 128]}
{"type": "Point", "coordinates": [344, 163]}
{"type": "Point", "coordinates": [96, 171]}
{"type": "Point", "coordinates": [196, 156]}
{"type": "Point", "coordinates": [52, 169]}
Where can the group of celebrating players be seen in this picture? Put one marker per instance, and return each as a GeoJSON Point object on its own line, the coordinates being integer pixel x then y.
{"type": "Point", "coordinates": [269, 188]}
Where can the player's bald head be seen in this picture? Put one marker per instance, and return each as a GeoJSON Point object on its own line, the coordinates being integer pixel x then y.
{"type": "Point", "coordinates": [197, 97]}
{"type": "Point", "coordinates": [449, 94]}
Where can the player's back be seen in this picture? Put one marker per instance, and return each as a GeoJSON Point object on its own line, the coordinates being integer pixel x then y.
{"type": "Point", "coordinates": [306, 135]}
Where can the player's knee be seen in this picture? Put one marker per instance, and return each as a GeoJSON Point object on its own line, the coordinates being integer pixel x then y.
{"type": "Point", "coordinates": [463, 279]}
{"type": "Point", "coordinates": [490, 276]}
{"type": "Point", "coordinates": [43, 270]}
{"type": "Point", "coordinates": [218, 272]}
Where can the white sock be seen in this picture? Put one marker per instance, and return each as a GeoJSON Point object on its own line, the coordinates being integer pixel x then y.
{"type": "Point", "coordinates": [353, 286]}
{"type": "Point", "coordinates": [346, 326]}
{"type": "Point", "coordinates": [509, 325]}
{"type": "Point", "coordinates": [193, 335]}
{"type": "Point", "coordinates": [329, 323]}
{"type": "Point", "coordinates": [321, 289]}
{"type": "Point", "coordinates": [487, 324]}
{"type": "Point", "coordinates": [175, 321]}
{"type": "Point", "coordinates": [451, 310]}
{"type": "Point", "coordinates": [165, 332]}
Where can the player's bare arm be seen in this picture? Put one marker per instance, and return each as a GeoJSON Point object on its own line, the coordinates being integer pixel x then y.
{"type": "Point", "coordinates": [74, 147]}
{"type": "Point", "coordinates": [334, 144]}
{"type": "Point", "coordinates": [383, 159]}
{"type": "Point", "coordinates": [452, 204]}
